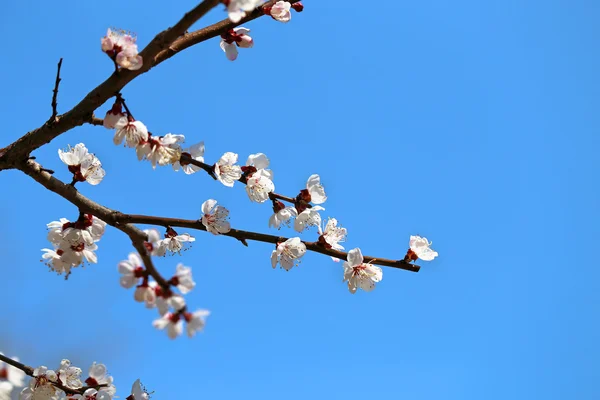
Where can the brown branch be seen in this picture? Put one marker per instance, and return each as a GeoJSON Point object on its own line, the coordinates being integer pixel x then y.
{"type": "Point", "coordinates": [258, 237]}
{"type": "Point", "coordinates": [19, 150]}
{"type": "Point", "coordinates": [137, 236]}
{"type": "Point", "coordinates": [55, 93]}
{"type": "Point", "coordinates": [201, 35]}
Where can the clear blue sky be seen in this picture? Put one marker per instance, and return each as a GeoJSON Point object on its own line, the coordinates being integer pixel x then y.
{"type": "Point", "coordinates": [474, 123]}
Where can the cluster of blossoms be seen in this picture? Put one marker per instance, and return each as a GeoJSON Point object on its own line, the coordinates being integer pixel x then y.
{"type": "Point", "coordinates": [237, 9]}
{"type": "Point", "coordinates": [65, 383]}
{"type": "Point", "coordinates": [10, 379]}
{"type": "Point", "coordinates": [73, 243]}
{"type": "Point", "coordinates": [120, 46]}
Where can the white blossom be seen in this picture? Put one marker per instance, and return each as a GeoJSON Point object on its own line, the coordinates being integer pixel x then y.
{"type": "Point", "coordinates": [259, 185]}
{"type": "Point", "coordinates": [261, 163]}
{"type": "Point", "coordinates": [226, 171]}
{"type": "Point", "coordinates": [196, 152]}
{"type": "Point", "coordinates": [421, 248]}
{"type": "Point", "coordinates": [40, 387]}
{"type": "Point", "coordinates": [281, 215]}
{"type": "Point", "coordinates": [316, 190]}
{"type": "Point", "coordinates": [234, 38]}
{"type": "Point", "coordinates": [6, 389]}
{"type": "Point", "coordinates": [131, 271]}
{"type": "Point", "coordinates": [236, 9]}
{"type": "Point", "coordinates": [183, 279]}
{"type": "Point", "coordinates": [68, 255]}
{"type": "Point", "coordinates": [173, 242]}
{"type": "Point", "coordinates": [287, 253]}
{"type": "Point", "coordinates": [83, 165]}
{"type": "Point", "coordinates": [214, 217]}
{"type": "Point", "coordinates": [280, 11]}
{"type": "Point", "coordinates": [69, 375]}
{"type": "Point", "coordinates": [333, 235]}
{"type": "Point", "coordinates": [172, 322]}
{"type": "Point", "coordinates": [134, 132]}
{"type": "Point", "coordinates": [308, 218]}
{"type": "Point", "coordinates": [160, 150]}
{"type": "Point", "coordinates": [121, 47]}
{"type": "Point", "coordinates": [153, 242]}
{"type": "Point", "coordinates": [360, 275]}
{"type": "Point", "coordinates": [87, 228]}
{"type": "Point", "coordinates": [137, 392]}
{"type": "Point", "coordinates": [195, 321]}
{"type": "Point", "coordinates": [98, 375]}
{"type": "Point", "coordinates": [173, 301]}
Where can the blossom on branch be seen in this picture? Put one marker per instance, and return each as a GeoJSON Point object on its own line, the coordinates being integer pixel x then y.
{"type": "Point", "coordinates": [114, 115]}
{"type": "Point", "coordinates": [280, 11]}
{"type": "Point", "coordinates": [69, 375]}
{"type": "Point", "coordinates": [226, 171]}
{"type": "Point", "coordinates": [98, 375]}
{"type": "Point", "coordinates": [41, 386]}
{"type": "Point", "coordinates": [359, 274]}
{"type": "Point", "coordinates": [196, 152]}
{"type": "Point", "coordinates": [288, 253]}
{"type": "Point", "coordinates": [420, 248]}
{"type": "Point", "coordinates": [161, 150]}
{"type": "Point", "coordinates": [131, 271]}
{"type": "Point", "coordinates": [315, 190]}
{"type": "Point", "coordinates": [137, 392]}
{"type": "Point", "coordinates": [214, 217]}
{"type": "Point", "coordinates": [120, 46]}
{"type": "Point", "coordinates": [332, 235]}
{"type": "Point", "coordinates": [257, 163]}
{"type": "Point", "coordinates": [173, 322]}
{"type": "Point", "coordinates": [87, 228]}
{"type": "Point", "coordinates": [83, 165]}
{"type": "Point", "coordinates": [236, 9]}
{"type": "Point", "coordinates": [134, 132]}
{"type": "Point", "coordinates": [234, 38]}
{"type": "Point", "coordinates": [282, 214]}
{"type": "Point", "coordinates": [259, 185]}
{"type": "Point", "coordinates": [183, 279]}
{"type": "Point", "coordinates": [173, 242]}
{"type": "Point", "coordinates": [308, 218]}
{"type": "Point", "coordinates": [153, 242]}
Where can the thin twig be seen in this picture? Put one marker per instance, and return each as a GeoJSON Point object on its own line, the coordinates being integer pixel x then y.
{"type": "Point", "coordinates": [55, 93]}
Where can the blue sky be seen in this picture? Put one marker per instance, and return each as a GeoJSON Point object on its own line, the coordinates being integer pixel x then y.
{"type": "Point", "coordinates": [472, 123]}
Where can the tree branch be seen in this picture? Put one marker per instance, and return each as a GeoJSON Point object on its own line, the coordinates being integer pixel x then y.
{"type": "Point", "coordinates": [201, 35]}
{"type": "Point", "coordinates": [55, 94]}
{"type": "Point", "coordinates": [258, 237]}
{"type": "Point", "coordinates": [137, 236]}
{"type": "Point", "coordinates": [19, 150]}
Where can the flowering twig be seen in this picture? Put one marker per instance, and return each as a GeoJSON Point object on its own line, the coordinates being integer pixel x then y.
{"type": "Point", "coordinates": [201, 35]}
{"type": "Point", "coordinates": [29, 372]}
{"type": "Point", "coordinates": [137, 236]}
{"type": "Point", "coordinates": [55, 93]}
{"type": "Point", "coordinates": [259, 237]}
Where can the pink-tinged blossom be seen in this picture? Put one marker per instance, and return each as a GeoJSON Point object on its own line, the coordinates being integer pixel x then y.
{"type": "Point", "coordinates": [183, 279]}
{"type": "Point", "coordinates": [160, 150]}
{"type": "Point", "coordinates": [122, 48]}
{"type": "Point", "coordinates": [153, 242]}
{"type": "Point", "coordinates": [280, 11]}
{"type": "Point", "coordinates": [131, 271]}
{"type": "Point", "coordinates": [237, 9]}
{"type": "Point", "coordinates": [259, 185]}
{"type": "Point", "coordinates": [308, 218]}
{"type": "Point", "coordinates": [214, 217]}
{"type": "Point", "coordinates": [281, 215]}
{"type": "Point", "coordinates": [226, 171]}
{"type": "Point", "coordinates": [288, 253]}
{"type": "Point", "coordinates": [171, 322]}
{"type": "Point", "coordinates": [234, 38]}
{"type": "Point", "coordinates": [196, 152]}
{"type": "Point", "coordinates": [195, 321]}
{"type": "Point", "coordinates": [420, 248]}
{"type": "Point", "coordinates": [83, 165]}
{"type": "Point", "coordinates": [134, 132]}
{"type": "Point", "coordinates": [359, 274]}
{"type": "Point", "coordinates": [114, 115]}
